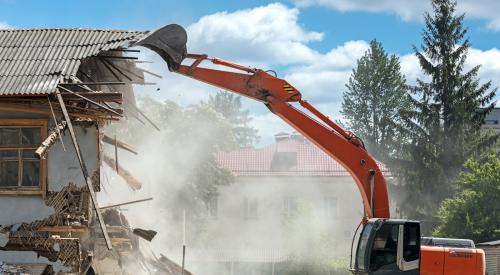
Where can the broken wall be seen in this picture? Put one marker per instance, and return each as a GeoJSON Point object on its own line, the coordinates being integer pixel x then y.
{"type": "Point", "coordinates": [62, 168]}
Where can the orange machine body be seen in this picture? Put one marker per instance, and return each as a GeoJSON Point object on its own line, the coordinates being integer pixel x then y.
{"type": "Point", "coordinates": [436, 260]}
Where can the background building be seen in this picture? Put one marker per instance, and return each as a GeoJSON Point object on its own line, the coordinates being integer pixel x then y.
{"type": "Point", "coordinates": [289, 197]}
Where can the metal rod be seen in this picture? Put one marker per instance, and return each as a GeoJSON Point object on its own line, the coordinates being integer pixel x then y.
{"type": "Point", "coordinates": [116, 156]}
{"type": "Point", "coordinates": [183, 239]}
{"type": "Point", "coordinates": [372, 190]}
{"type": "Point", "coordinates": [126, 203]}
{"type": "Point", "coordinates": [85, 172]}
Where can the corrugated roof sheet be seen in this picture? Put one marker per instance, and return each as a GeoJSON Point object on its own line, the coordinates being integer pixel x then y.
{"type": "Point", "coordinates": [310, 161]}
{"type": "Point", "coordinates": [34, 61]}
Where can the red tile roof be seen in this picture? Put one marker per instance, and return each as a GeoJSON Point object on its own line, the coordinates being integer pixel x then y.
{"type": "Point", "coordinates": [310, 161]}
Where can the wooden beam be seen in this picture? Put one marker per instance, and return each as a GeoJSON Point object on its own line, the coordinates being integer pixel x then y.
{"type": "Point", "coordinates": [91, 101]}
{"type": "Point", "coordinates": [109, 140]}
{"type": "Point", "coordinates": [85, 172]}
{"type": "Point", "coordinates": [96, 96]}
{"type": "Point", "coordinates": [132, 182]}
{"type": "Point", "coordinates": [126, 203]}
{"type": "Point", "coordinates": [64, 229]}
{"type": "Point", "coordinates": [50, 140]}
{"type": "Point", "coordinates": [43, 110]}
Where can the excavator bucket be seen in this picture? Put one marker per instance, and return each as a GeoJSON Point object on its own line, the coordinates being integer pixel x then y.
{"type": "Point", "coordinates": [169, 42]}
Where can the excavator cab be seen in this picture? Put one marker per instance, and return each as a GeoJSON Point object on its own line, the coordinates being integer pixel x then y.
{"type": "Point", "coordinates": [388, 246]}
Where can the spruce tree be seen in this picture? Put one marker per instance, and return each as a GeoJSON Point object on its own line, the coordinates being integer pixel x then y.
{"type": "Point", "coordinates": [376, 92]}
{"type": "Point", "coordinates": [230, 107]}
{"type": "Point", "coordinates": [449, 107]}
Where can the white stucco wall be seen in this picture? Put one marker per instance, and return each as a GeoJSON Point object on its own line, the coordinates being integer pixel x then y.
{"type": "Point", "coordinates": [232, 230]}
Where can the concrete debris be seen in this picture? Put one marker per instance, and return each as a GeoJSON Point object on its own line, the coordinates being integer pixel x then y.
{"type": "Point", "coordinates": [145, 234]}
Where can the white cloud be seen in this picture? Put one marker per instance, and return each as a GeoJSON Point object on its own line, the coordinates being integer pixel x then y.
{"type": "Point", "coordinates": [263, 35]}
{"type": "Point", "coordinates": [249, 38]}
{"type": "Point", "coordinates": [413, 9]}
{"type": "Point", "coordinates": [4, 25]}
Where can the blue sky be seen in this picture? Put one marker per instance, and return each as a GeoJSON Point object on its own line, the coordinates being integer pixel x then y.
{"type": "Point", "coordinates": [312, 43]}
{"type": "Point", "coordinates": [339, 26]}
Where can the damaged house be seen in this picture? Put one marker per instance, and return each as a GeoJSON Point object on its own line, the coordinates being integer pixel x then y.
{"type": "Point", "coordinates": [58, 89]}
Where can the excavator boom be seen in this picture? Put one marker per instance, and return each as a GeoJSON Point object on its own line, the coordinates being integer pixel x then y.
{"type": "Point", "coordinates": [385, 246]}
{"type": "Point", "coordinates": [277, 94]}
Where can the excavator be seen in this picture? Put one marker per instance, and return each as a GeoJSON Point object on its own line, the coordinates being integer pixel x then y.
{"type": "Point", "coordinates": [385, 245]}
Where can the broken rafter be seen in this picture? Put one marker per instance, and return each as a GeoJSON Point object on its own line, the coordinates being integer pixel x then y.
{"type": "Point", "coordinates": [119, 57]}
{"type": "Point", "coordinates": [120, 144]}
{"type": "Point", "coordinates": [50, 140]}
{"type": "Point", "coordinates": [91, 101]}
{"type": "Point", "coordinates": [85, 172]}
{"type": "Point", "coordinates": [126, 203]}
{"type": "Point", "coordinates": [124, 50]}
{"type": "Point", "coordinates": [43, 110]}
{"type": "Point", "coordinates": [96, 83]}
{"type": "Point", "coordinates": [110, 66]}
{"type": "Point", "coordinates": [96, 96]}
{"type": "Point", "coordinates": [123, 173]}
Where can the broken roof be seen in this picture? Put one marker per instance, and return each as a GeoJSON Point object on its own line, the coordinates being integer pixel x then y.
{"type": "Point", "coordinates": [35, 61]}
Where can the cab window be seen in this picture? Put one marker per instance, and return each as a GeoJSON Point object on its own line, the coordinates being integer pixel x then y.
{"type": "Point", "coordinates": [385, 246]}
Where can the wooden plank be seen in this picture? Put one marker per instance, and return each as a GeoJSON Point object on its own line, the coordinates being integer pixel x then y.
{"type": "Point", "coordinates": [123, 173]}
{"type": "Point", "coordinates": [126, 203]}
{"type": "Point", "coordinates": [91, 101]}
{"type": "Point", "coordinates": [50, 140]}
{"type": "Point", "coordinates": [109, 140]}
{"type": "Point", "coordinates": [85, 172]}
{"type": "Point", "coordinates": [62, 229]}
{"type": "Point", "coordinates": [43, 110]}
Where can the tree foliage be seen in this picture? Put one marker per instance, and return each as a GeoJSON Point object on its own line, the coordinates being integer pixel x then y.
{"type": "Point", "coordinates": [474, 213]}
{"type": "Point", "coordinates": [229, 106]}
{"type": "Point", "coordinates": [376, 92]}
{"type": "Point", "coordinates": [448, 110]}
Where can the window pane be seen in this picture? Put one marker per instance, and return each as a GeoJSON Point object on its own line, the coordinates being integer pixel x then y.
{"type": "Point", "coordinates": [9, 136]}
{"type": "Point", "coordinates": [29, 155]}
{"type": "Point", "coordinates": [8, 173]}
{"type": "Point", "coordinates": [8, 155]}
{"type": "Point", "coordinates": [31, 173]}
{"type": "Point", "coordinates": [30, 135]}
{"type": "Point", "coordinates": [411, 242]}
{"type": "Point", "coordinates": [385, 245]}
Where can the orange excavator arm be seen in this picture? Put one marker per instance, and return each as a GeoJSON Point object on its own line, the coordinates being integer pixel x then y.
{"type": "Point", "coordinates": [278, 95]}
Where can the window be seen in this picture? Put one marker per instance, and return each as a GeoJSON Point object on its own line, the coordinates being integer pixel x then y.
{"type": "Point", "coordinates": [251, 208]}
{"type": "Point", "coordinates": [491, 121]}
{"type": "Point", "coordinates": [411, 242]}
{"type": "Point", "coordinates": [331, 210]}
{"type": "Point", "coordinates": [363, 243]}
{"type": "Point", "coordinates": [290, 206]}
{"type": "Point", "coordinates": [212, 206]}
{"type": "Point", "coordinates": [20, 171]}
{"type": "Point", "coordinates": [385, 246]}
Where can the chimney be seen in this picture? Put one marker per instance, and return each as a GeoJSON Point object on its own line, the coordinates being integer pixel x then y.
{"type": "Point", "coordinates": [281, 136]}
{"type": "Point", "coordinates": [298, 137]}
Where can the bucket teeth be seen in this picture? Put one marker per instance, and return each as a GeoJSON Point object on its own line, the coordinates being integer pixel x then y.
{"type": "Point", "coordinates": [169, 42]}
